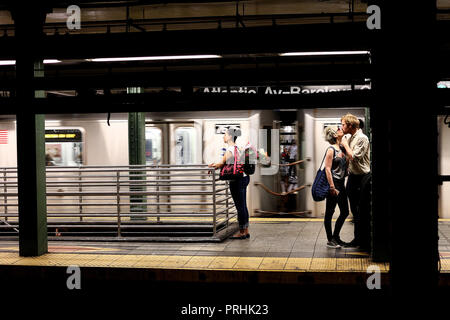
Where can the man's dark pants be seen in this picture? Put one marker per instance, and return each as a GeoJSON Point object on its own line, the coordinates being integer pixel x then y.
{"type": "Point", "coordinates": [359, 195]}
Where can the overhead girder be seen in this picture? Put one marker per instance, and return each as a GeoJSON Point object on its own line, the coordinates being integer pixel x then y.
{"type": "Point", "coordinates": [174, 101]}
{"type": "Point", "coordinates": [273, 39]}
{"type": "Point", "coordinates": [243, 76]}
{"type": "Point", "coordinates": [109, 3]}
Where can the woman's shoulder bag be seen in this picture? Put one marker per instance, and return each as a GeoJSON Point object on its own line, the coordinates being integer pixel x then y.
{"type": "Point", "coordinates": [232, 171]}
{"type": "Point", "coordinates": [321, 187]}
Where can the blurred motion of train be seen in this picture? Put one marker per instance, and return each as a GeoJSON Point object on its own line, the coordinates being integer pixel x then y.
{"type": "Point", "coordinates": [196, 137]}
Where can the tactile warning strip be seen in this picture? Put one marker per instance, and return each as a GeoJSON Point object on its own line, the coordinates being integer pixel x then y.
{"type": "Point", "coordinates": [195, 262]}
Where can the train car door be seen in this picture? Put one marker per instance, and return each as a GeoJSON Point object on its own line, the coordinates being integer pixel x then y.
{"type": "Point", "coordinates": [154, 138]}
{"type": "Point", "coordinates": [64, 146]}
{"type": "Point", "coordinates": [185, 144]}
{"type": "Point", "coordinates": [172, 142]}
{"type": "Point", "coordinates": [175, 143]}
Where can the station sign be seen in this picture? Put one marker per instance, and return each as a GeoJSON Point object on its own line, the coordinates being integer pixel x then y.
{"type": "Point", "coordinates": [222, 127]}
{"type": "Point", "coordinates": [282, 90]}
{"type": "Point", "coordinates": [63, 135]}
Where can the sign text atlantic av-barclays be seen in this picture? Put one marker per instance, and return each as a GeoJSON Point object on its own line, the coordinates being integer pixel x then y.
{"type": "Point", "coordinates": [270, 90]}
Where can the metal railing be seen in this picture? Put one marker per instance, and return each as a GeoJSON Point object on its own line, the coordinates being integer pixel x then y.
{"type": "Point", "coordinates": [126, 201]}
{"type": "Point", "coordinates": [201, 22]}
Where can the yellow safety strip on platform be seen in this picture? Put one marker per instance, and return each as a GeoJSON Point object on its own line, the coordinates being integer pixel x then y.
{"type": "Point", "coordinates": [67, 249]}
{"type": "Point", "coordinates": [201, 262]}
{"type": "Point", "coordinates": [197, 262]}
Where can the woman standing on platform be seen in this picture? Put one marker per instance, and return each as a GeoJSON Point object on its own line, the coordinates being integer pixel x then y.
{"type": "Point", "coordinates": [238, 187]}
{"type": "Point", "coordinates": [336, 164]}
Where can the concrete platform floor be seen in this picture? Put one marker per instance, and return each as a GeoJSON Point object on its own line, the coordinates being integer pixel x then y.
{"type": "Point", "coordinates": [285, 265]}
{"type": "Point", "coordinates": [282, 244]}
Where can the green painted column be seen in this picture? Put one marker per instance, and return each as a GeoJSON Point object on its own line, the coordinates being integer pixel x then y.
{"type": "Point", "coordinates": [30, 131]}
{"type": "Point", "coordinates": [136, 138]}
{"type": "Point", "coordinates": [136, 154]}
{"type": "Point", "coordinates": [32, 188]}
{"type": "Point", "coordinates": [31, 175]}
{"type": "Point", "coordinates": [39, 73]}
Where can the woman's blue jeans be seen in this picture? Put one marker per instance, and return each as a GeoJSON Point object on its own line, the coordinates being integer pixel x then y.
{"type": "Point", "coordinates": [238, 189]}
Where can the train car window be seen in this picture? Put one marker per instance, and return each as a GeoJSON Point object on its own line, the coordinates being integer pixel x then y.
{"type": "Point", "coordinates": [269, 139]}
{"type": "Point", "coordinates": [153, 146]}
{"type": "Point", "coordinates": [185, 145]}
{"type": "Point", "coordinates": [288, 154]}
{"type": "Point", "coordinates": [63, 147]}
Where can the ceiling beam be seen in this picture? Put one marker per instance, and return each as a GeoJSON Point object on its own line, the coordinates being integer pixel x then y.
{"type": "Point", "coordinates": [148, 102]}
{"type": "Point", "coordinates": [111, 3]}
{"type": "Point", "coordinates": [243, 76]}
{"type": "Point", "coordinates": [274, 39]}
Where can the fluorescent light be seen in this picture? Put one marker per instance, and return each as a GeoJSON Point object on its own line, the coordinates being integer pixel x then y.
{"type": "Point", "coordinates": [155, 58]}
{"type": "Point", "coordinates": [323, 53]}
{"type": "Point", "coordinates": [13, 62]}
{"type": "Point", "coordinates": [7, 62]}
{"type": "Point", "coordinates": [51, 61]}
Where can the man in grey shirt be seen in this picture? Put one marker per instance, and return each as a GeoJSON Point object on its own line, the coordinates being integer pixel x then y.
{"type": "Point", "coordinates": [358, 183]}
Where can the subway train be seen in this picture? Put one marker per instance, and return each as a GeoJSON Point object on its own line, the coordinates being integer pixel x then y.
{"type": "Point", "coordinates": [184, 138]}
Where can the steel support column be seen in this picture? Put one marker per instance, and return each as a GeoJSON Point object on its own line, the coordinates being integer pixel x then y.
{"type": "Point", "coordinates": [136, 152]}
{"type": "Point", "coordinates": [405, 145]}
{"type": "Point", "coordinates": [30, 137]}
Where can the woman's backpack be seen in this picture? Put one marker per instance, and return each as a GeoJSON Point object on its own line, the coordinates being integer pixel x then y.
{"type": "Point", "coordinates": [250, 156]}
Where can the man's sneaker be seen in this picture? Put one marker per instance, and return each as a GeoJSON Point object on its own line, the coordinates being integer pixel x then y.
{"type": "Point", "coordinates": [352, 244]}
{"type": "Point", "coordinates": [340, 242]}
{"type": "Point", "coordinates": [333, 244]}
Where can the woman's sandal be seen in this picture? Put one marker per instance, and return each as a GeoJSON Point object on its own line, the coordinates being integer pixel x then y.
{"type": "Point", "coordinates": [240, 237]}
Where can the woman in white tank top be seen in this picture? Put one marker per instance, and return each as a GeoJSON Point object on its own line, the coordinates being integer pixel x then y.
{"type": "Point", "coordinates": [238, 187]}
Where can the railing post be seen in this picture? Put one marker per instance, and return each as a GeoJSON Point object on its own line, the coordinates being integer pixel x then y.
{"type": "Point", "coordinates": [158, 209]}
{"type": "Point", "coordinates": [214, 201]}
{"type": "Point", "coordinates": [118, 202]}
{"type": "Point", "coordinates": [5, 189]}
{"type": "Point", "coordinates": [168, 188]}
{"type": "Point", "coordinates": [80, 189]}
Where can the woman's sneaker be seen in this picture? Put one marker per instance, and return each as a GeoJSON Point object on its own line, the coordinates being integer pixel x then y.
{"type": "Point", "coordinates": [333, 244]}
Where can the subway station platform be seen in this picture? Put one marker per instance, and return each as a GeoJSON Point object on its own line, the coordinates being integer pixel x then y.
{"type": "Point", "coordinates": [284, 263]}
{"type": "Point", "coordinates": [297, 244]}
{"type": "Point", "coordinates": [278, 250]}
